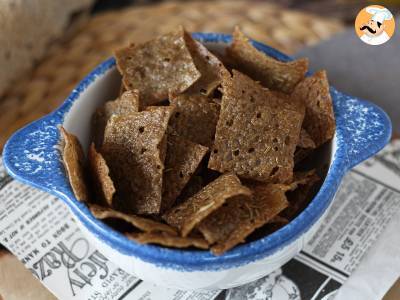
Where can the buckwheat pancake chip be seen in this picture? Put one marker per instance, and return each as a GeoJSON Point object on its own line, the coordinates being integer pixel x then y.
{"type": "Point", "coordinates": [127, 103]}
{"type": "Point", "coordinates": [157, 67]}
{"type": "Point", "coordinates": [300, 192]}
{"type": "Point", "coordinates": [100, 175]}
{"type": "Point", "coordinates": [272, 73]}
{"type": "Point", "coordinates": [195, 118]}
{"type": "Point", "coordinates": [305, 140]}
{"type": "Point", "coordinates": [134, 148]}
{"type": "Point", "coordinates": [144, 224]}
{"type": "Point", "coordinates": [231, 224]}
{"type": "Point", "coordinates": [182, 159]}
{"type": "Point", "coordinates": [255, 138]}
{"type": "Point", "coordinates": [319, 120]}
{"type": "Point", "coordinates": [191, 212]}
{"type": "Point", "coordinates": [74, 161]}
{"type": "Point", "coordinates": [194, 185]}
{"type": "Point", "coordinates": [168, 240]}
{"type": "Point", "coordinates": [304, 146]}
{"type": "Point", "coordinates": [201, 150]}
{"type": "Point", "coordinates": [210, 67]}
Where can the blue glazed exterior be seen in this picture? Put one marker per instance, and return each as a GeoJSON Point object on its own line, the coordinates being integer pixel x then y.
{"type": "Point", "coordinates": [32, 156]}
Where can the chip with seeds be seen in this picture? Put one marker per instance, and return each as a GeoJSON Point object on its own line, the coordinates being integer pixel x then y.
{"type": "Point", "coordinates": [210, 67]}
{"type": "Point", "coordinates": [134, 148]}
{"type": "Point", "coordinates": [195, 118]}
{"type": "Point", "coordinates": [74, 161]}
{"type": "Point", "coordinates": [255, 138]}
{"type": "Point", "coordinates": [319, 120]}
{"type": "Point", "coordinates": [144, 224]}
{"type": "Point", "coordinates": [100, 175]}
{"type": "Point", "coordinates": [272, 73]}
{"type": "Point", "coordinates": [127, 103]}
{"type": "Point", "coordinates": [168, 240]}
{"type": "Point", "coordinates": [182, 159]}
{"type": "Point", "coordinates": [232, 223]}
{"type": "Point", "coordinates": [300, 193]}
{"type": "Point", "coordinates": [191, 212]}
{"type": "Point", "coordinates": [157, 67]}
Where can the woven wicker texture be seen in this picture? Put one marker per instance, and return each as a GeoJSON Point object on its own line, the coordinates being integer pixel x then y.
{"type": "Point", "coordinates": [66, 63]}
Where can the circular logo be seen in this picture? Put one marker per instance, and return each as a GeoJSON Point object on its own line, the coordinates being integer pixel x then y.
{"type": "Point", "coordinates": [374, 25]}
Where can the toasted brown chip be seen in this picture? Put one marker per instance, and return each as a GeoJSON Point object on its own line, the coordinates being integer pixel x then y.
{"type": "Point", "coordinates": [273, 74]}
{"type": "Point", "coordinates": [183, 158]}
{"type": "Point", "coordinates": [168, 240]}
{"type": "Point", "coordinates": [210, 67]}
{"type": "Point", "coordinates": [104, 186]}
{"type": "Point", "coordinates": [232, 223]}
{"type": "Point", "coordinates": [74, 160]}
{"type": "Point", "coordinates": [300, 193]}
{"type": "Point", "coordinates": [127, 103]}
{"type": "Point", "coordinates": [134, 148]}
{"type": "Point", "coordinates": [191, 212]}
{"type": "Point", "coordinates": [255, 137]}
{"type": "Point", "coordinates": [305, 140]}
{"type": "Point", "coordinates": [304, 178]}
{"type": "Point", "coordinates": [271, 226]}
{"type": "Point", "coordinates": [144, 224]}
{"type": "Point", "coordinates": [279, 220]}
{"type": "Point", "coordinates": [122, 89]}
{"type": "Point", "coordinates": [157, 67]}
{"type": "Point", "coordinates": [195, 118]}
{"type": "Point", "coordinates": [319, 120]}
{"type": "Point", "coordinates": [282, 100]}
{"type": "Point", "coordinates": [304, 147]}
{"type": "Point", "coordinates": [195, 184]}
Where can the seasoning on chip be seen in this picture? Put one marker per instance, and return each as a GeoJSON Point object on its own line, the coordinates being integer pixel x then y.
{"type": "Point", "coordinates": [168, 240]}
{"type": "Point", "coordinates": [272, 73]}
{"type": "Point", "coordinates": [231, 224]}
{"type": "Point", "coordinates": [203, 158]}
{"type": "Point", "coordinates": [74, 161]}
{"type": "Point", "coordinates": [319, 120]}
{"type": "Point", "coordinates": [127, 103]}
{"type": "Point", "coordinates": [134, 148]}
{"type": "Point", "coordinates": [183, 158]}
{"type": "Point", "coordinates": [254, 138]}
{"type": "Point", "coordinates": [191, 212]}
{"type": "Point", "coordinates": [100, 173]}
{"type": "Point", "coordinates": [195, 118]}
{"type": "Point", "coordinates": [144, 224]}
{"type": "Point", "coordinates": [157, 67]}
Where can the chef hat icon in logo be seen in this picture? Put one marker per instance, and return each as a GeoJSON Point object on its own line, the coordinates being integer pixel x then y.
{"type": "Point", "coordinates": [375, 25]}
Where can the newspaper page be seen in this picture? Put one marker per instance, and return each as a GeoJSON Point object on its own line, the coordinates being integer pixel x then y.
{"type": "Point", "coordinates": [39, 229]}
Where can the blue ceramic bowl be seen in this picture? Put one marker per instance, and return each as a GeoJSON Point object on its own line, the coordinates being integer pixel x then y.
{"type": "Point", "coordinates": [32, 156]}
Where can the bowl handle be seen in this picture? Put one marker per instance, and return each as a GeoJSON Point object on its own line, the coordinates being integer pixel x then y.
{"type": "Point", "coordinates": [365, 128]}
{"type": "Point", "coordinates": [32, 156]}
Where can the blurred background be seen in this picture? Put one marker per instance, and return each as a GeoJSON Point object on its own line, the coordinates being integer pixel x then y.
{"type": "Point", "coordinates": [47, 46]}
